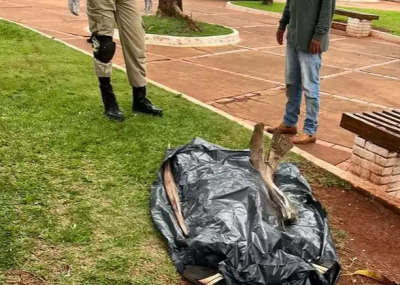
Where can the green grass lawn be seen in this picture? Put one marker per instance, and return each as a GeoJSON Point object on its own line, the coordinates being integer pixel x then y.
{"type": "Point", "coordinates": [74, 186]}
{"type": "Point", "coordinates": [389, 20]}
{"type": "Point", "coordinates": [276, 7]}
{"type": "Point", "coordinates": [178, 27]}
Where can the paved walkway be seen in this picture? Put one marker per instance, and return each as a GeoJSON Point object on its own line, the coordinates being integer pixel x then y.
{"type": "Point", "coordinates": [246, 80]}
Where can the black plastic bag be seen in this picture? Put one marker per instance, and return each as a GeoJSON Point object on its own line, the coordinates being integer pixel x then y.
{"type": "Point", "coordinates": [231, 225]}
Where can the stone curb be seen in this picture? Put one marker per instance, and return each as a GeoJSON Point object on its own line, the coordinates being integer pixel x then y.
{"type": "Point", "coordinates": [362, 186]}
{"type": "Point", "coordinates": [385, 36]}
{"type": "Point", "coordinates": [193, 41]}
{"type": "Point", "coordinates": [163, 40]}
{"type": "Point", "coordinates": [336, 25]}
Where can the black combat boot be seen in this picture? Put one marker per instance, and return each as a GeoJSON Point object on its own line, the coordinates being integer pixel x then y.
{"type": "Point", "coordinates": [90, 40]}
{"type": "Point", "coordinates": [143, 105]}
{"type": "Point", "coordinates": [111, 108]}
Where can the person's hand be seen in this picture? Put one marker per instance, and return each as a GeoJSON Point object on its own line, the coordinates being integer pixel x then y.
{"type": "Point", "coordinates": [315, 46]}
{"type": "Point", "coordinates": [73, 6]}
{"type": "Point", "coordinates": [279, 36]}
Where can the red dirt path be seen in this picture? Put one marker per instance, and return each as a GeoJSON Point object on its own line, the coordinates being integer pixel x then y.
{"type": "Point", "coordinates": [373, 234]}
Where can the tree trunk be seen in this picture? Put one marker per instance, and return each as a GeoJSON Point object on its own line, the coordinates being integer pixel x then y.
{"type": "Point", "coordinates": [279, 147]}
{"type": "Point", "coordinates": [173, 197]}
{"type": "Point", "coordinates": [170, 8]}
{"type": "Point", "coordinates": [180, 5]}
{"type": "Point", "coordinates": [268, 2]}
{"type": "Point", "coordinates": [174, 9]}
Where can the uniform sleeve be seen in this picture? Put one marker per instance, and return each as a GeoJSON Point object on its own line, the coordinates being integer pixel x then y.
{"type": "Point", "coordinates": [285, 16]}
{"type": "Point", "coordinates": [325, 18]}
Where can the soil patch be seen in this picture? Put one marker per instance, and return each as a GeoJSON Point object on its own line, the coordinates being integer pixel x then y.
{"type": "Point", "coordinates": [19, 277]}
{"type": "Point", "coordinates": [367, 234]}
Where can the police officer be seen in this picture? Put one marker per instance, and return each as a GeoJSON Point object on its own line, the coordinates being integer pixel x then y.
{"type": "Point", "coordinates": [102, 15]}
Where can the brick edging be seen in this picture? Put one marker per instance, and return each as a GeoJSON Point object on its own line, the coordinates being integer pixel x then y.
{"type": "Point", "coordinates": [362, 186]}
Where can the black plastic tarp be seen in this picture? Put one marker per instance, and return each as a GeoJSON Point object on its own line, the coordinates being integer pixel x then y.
{"type": "Point", "coordinates": [233, 226]}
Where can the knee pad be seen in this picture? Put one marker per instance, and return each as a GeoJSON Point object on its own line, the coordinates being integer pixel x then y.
{"type": "Point", "coordinates": [103, 48]}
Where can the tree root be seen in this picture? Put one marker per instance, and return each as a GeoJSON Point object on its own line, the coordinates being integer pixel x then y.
{"type": "Point", "coordinates": [174, 11]}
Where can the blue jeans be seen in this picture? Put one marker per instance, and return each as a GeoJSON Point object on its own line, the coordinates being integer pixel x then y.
{"type": "Point", "coordinates": [302, 75]}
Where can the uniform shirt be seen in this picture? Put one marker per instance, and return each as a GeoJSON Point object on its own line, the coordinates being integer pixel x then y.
{"type": "Point", "coordinates": [307, 20]}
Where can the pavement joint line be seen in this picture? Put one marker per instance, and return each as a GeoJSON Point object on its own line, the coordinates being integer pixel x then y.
{"type": "Point", "coordinates": [169, 60]}
{"type": "Point", "coordinates": [71, 38]}
{"type": "Point", "coordinates": [23, 7]}
{"type": "Point", "coordinates": [363, 53]}
{"type": "Point", "coordinates": [151, 53]}
{"type": "Point", "coordinates": [159, 60]}
{"type": "Point", "coordinates": [325, 94]}
{"type": "Point", "coordinates": [377, 64]}
{"type": "Point", "coordinates": [337, 74]}
{"type": "Point", "coordinates": [335, 66]}
{"type": "Point", "coordinates": [216, 54]}
{"type": "Point", "coordinates": [270, 47]}
{"type": "Point", "coordinates": [340, 97]}
{"type": "Point", "coordinates": [378, 105]}
{"type": "Point", "coordinates": [359, 101]}
{"type": "Point", "coordinates": [273, 53]}
{"type": "Point", "coordinates": [190, 57]}
{"type": "Point", "coordinates": [232, 72]}
{"type": "Point", "coordinates": [202, 50]}
{"type": "Point", "coordinates": [363, 186]}
{"type": "Point", "coordinates": [277, 88]}
{"type": "Point", "coordinates": [327, 65]}
{"type": "Point", "coordinates": [391, 77]}
{"type": "Point", "coordinates": [51, 30]}
{"type": "Point", "coordinates": [377, 74]}
{"type": "Point", "coordinates": [352, 100]}
{"type": "Point", "coordinates": [249, 32]}
{"type": "Point", "coordinates": [236, 45]}
{"type": "Point", "coordinates": [256, 26]}
{"type": "Point", "coordinates": [252, 48]}
{"type": "Point", "coordinates": [360, 70]}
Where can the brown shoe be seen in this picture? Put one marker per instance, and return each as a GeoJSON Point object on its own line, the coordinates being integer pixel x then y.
{"type": "Point", "coordinates": [303, 139]}
{"type": "Point", "coordinates": [282, 129]}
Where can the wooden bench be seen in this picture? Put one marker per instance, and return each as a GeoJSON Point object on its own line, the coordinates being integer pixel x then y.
{"type": "Point", "coordinates": [356, 15]}
{"type": "Point", "coordinates": [381, 128]}
{"type": "Point", "coordinates": [376, 150]}
{"type": "Point", "coordinates": [358, 24]}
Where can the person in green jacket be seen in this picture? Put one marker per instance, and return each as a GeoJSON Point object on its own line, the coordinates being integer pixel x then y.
{"type": "Point", "coordinates": [308, 25]}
